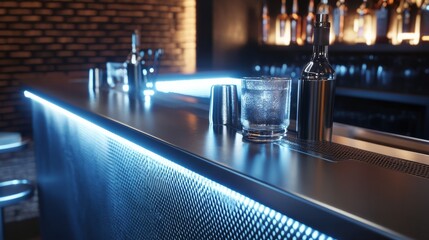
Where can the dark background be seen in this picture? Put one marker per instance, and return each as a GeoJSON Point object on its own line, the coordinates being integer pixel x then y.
{"type": "Point", "coordinates": [382, 87]}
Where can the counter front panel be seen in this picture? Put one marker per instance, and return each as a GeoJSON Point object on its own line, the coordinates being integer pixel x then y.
{"type": "Point", "coordinates": [112, 166]}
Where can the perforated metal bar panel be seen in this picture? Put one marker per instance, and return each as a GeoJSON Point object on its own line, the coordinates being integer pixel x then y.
{"type": "Point", "coordinates": [94, 184]}
{"type": "Point", "coordinates": [338, 152]}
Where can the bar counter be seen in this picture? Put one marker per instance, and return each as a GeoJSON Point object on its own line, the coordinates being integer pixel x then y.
{"type": "Point", "coordinates": [111, 166]}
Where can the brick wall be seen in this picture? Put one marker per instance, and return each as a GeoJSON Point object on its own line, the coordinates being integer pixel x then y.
{"type": "Point", "coordinates": [64, 38]}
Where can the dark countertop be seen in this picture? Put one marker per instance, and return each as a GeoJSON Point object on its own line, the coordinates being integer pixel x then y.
{"type": "Point", "coordinates": [349, 198]}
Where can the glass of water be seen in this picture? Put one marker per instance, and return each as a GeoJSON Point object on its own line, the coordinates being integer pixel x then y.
{"type": "Point", "coordinates": [265, 108]}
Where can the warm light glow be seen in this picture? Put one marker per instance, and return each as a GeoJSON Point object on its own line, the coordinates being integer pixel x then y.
{"type": "Point", "coordinates": [283, 36]}
{"type": "Point", "coordinates": [187, 36]}
{"type": "Point", "coordinates": [413, 38]}
{"type": "Point", "coordinates": [407, 36]}
{"type": "Point", "coordinates": [365, 29]}
{"type": "Point", "coordinates": [398, 35]}
{"type": "Point", "coordinates": [395, 29]}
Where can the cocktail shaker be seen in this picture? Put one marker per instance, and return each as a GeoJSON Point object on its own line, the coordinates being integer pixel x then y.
{"type": "Point", "coordinates": [224, 106]}
{"type": "Point", "coordinates": [316, 89]}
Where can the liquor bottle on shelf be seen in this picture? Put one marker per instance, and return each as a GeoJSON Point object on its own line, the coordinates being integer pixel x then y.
{"type": "Point", "coordinates": [392, 27]}
{"type": "Point", "coordinates": [309, 23]}
{"type": "Point", "coordinates": [283, 26]}
{"type": "Point", "coordinates": [382, 21]}
{"type": "Point", "coordinates": [133, 76]}
{"type": "Point", "coordinates": [265, 22]}
{"type": "Point", "coordinates": [316, 88]}
{"type": "Point", "coordinates": [324, 8]}
{"type": "Point", "coordinates": [424, 21]}
{"type": "Point", "coordinates": [340, 13]}
{"type": "Point", "coordinates": [364, 26]}
{"type": "Point", "coordinates": [295, 25]}
{"type": "Point", "coordinates": [407, 31]}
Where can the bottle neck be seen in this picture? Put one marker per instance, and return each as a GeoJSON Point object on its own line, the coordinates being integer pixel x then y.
{"type": "Point", "coordinates": [135, 44]}
{"type": "Point", "coordinates": [320, 51]}
{"type": "Point", "coordinates": [264, 9]}
{"type": "Point", "coordinates": [283, 7]}
{"type": "Point", "coordinates": [311, 6]}
{"type": "Point", "coordinates": [133, 56]}
{"type": "Point", "coordinates": [295, 7]}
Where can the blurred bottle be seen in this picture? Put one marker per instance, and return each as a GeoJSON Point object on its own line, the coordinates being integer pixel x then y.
{"type": "Point", "coordinates": [340, 13]}
{"type": "Point", "coordinates": [309, 23]}
{"type": "Point", "coordinates": [382, 21]}
{"type": "Point", "coordinates": [424, 22]}
{"type": "Point", "coordinates": [324, 8]}
{"type": "Point", "coordinates": [151, 68]}
{"type": "Point", "coordinates": [295, 25]}
{"type": "Point", "coordinates": [265, 22]}
{"type": "Point", "coordinates": [407, 31]}
{"type": "Point", "coordinates": [133, 77]}
{"type": "Point", "coordinates": [392, 28]}
{"type": "Point", "coordinates": [363, 25]}
{"type": "Point", "coordinates": [282, 26]}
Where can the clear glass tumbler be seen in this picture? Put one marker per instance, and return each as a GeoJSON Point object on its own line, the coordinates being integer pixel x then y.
{"type": "Point", "coordinates": [265, 108]}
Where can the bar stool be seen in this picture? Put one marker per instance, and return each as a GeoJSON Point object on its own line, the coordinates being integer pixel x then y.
{"type": "Point", "coordinates": [16, 190]}
{"type": "Point", "coordinates": [11, 192]}
{"type": "Point", "coordinates": [11, 142]}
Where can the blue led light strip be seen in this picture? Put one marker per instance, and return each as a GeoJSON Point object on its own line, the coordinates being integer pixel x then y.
{"type": "Point", "coordinates": [301, 229]}
{"type": "Point", "coordinates": [195, 87]}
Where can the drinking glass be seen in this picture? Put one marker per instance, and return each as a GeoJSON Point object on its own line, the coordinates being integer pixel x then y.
{"type": "Point", "coordinates": [265, 108]}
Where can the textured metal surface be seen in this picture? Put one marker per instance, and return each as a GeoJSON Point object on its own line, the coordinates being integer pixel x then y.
{"type": "Point", "coordinates": [95, 185]}
{"type": "Point", "coordinates": [224, 106]}
{"type": "Point", "coordinates": [338, 152]}
{"type": "Point", "coordinates": [343, 198]}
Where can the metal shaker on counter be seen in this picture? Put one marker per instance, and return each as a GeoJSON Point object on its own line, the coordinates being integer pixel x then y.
{"type": "Point", "coordinates": [316, 88]}
{"type": "Point", "coordinates": [224, 105]}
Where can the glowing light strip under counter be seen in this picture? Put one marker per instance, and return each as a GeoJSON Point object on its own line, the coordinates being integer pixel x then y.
{"type": "Point", "coordinates": [300, 229]}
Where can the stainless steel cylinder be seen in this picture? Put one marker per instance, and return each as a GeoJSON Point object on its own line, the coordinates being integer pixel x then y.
{"type": "Point", "coordinates": [315, 109]}
{"type": "Point", "coordinates": [95, 79]}
{"type": "Point", "coordinates": [224, 106]}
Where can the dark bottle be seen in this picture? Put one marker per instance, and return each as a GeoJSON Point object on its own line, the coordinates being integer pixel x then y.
{"type": "Point", "coordinates": [382, 22]}
{"type": "Point", "coordinates": [424, 22]}
{"type": "Point", "coordinates": [324, 8]}
{"type": "Point", "coordinates": [406, 17]}
{"type": "Point", "coordinates": [133, 76]}
{"type": "Point", "coordinates": [407, 29]}
{"type": "Point", "coordinates": [316, 88]}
